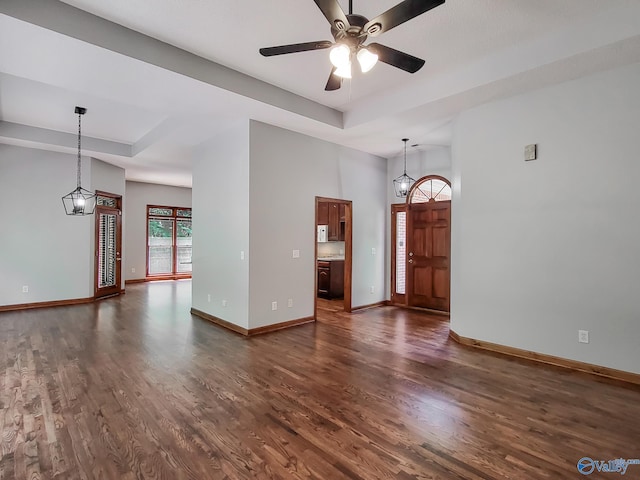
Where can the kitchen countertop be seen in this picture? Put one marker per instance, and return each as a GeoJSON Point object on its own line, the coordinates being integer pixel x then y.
{"type": "Point", "coordinates": [328, 259]}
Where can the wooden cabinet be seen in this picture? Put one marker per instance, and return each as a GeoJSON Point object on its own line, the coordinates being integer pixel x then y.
{"type": "Point", "coordinates": [334, 222]}
{"type": "Point", "coordinates": [323, 213]}
{"type": "Point", "coordinates": [333, 215]}
{"type": "Point", "coordinates": [331, 278]}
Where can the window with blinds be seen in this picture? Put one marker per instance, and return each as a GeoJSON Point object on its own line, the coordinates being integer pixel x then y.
{"type": "Point", "coordinates": [107, 250]}
{"type": "Point", "coordinates": [401, 252]}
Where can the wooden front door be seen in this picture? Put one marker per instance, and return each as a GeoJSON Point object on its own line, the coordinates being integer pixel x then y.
{"type": "Point", "coordinates": [429, 251]}
{"type": "Point", "coordinates": [108, 246]}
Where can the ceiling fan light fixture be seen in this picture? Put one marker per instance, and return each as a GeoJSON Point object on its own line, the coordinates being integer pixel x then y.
{"type": "Point", "coordinates": [344, 72]}
{"type": "Point", "coordinates": [340, 56]}
{"type": "Point", "coordinates": [366, 59]}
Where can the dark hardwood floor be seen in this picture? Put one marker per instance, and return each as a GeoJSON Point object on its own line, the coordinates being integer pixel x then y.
{"type": "Point", "coordinates": [135, 387]}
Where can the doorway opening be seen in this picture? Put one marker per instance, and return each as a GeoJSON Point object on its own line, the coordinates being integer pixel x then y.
{"type": "Point", "coordinates": [333, 255]}
{"type": "Point", "coordinates": [421, 246]}
{"type": "Point", "coordinates": [108, 254]}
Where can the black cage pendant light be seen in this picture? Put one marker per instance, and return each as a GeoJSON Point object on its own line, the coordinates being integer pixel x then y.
{"type": "Point", "coordinates": [403, 183]}
{"type": "Point", "coordinates": [80, 201]}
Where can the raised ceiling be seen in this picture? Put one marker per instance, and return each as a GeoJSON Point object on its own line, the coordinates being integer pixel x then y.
{"type": "Point", "coordinates": [155, 102]}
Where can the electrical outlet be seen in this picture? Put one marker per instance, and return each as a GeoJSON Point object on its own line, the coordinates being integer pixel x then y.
{"type": "Point", "coordinates": [290, 303]}
{"type": "Point", "coordinates": [373, 251]}
{"type": "Point", "coordinates": [274, 305]}
{"type": "Point", "coordinates": [133, 269]}
{"type": "Point", "coordinates": [342, 251]}
{"type": "Point", "coordinates": [583, 336]}
{"type": "Point", "coordinates": [296, 254]}
{"type": "Point", "coordinates": [530, 152]}
{"type": "Point", "coordinates": [371, 290]}
{"type": "Point", "coordinates": [242, 255]}
{"type": "Point", "coordinates": [224, 303]}
{"type": "Point", "coordinates": [209, 298]}
{"type": "Point", "coordinates": [25, 289]}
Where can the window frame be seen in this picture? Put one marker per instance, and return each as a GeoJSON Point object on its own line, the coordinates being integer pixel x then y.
{"type": "Point", "coordinates": [174, 217]}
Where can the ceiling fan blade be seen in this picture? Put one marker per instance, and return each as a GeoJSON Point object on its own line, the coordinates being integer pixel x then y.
{"type": "Point", "coordinates": [333, 12]}
{"type": "Point", "coordinates": [334, 82]}
{"type": "Point", "coordinates": [294, 48]}
{"type": "Point", "coordinates": [399, 14]}
{"type": "Point", "coordinates": [396, 58]}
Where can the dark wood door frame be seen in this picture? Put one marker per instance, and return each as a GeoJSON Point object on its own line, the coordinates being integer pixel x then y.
{"type": "Point", "coordinates": [117, 288]}
{"type": "Point", "coordinates": [399, 299]}
{"type": "Point", "coordinates": [348, 250]}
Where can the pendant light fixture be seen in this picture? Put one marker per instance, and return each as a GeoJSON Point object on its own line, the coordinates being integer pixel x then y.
{"type": "Point", "coordinates": [80, 201]}
{"type": "Point", "coordinates": [403, 183]}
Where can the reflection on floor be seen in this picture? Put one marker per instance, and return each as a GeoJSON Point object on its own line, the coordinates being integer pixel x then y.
{"type": "Point", "coordinates": [335, 305]}
{"type": "Point", "coordinates": [136, 387]}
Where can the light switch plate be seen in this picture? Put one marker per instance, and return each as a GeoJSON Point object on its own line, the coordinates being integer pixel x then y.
{"type": "Point", "coordinates": [296, 254]}
{"type": "Point", "coordinates": [530, 152]}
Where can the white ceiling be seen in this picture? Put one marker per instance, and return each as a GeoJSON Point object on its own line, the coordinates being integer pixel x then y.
{"type": "Point", "coordinates": [154, 103]}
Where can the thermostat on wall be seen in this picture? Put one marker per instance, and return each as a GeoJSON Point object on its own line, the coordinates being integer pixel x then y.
{"type": "Point", "coordinates": [530, 152]}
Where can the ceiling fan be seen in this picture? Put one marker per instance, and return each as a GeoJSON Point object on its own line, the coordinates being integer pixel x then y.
{"type": "Point", "coordinates": [351, 31]}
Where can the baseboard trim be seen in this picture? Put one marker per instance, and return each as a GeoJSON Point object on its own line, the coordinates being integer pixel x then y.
{"type": "Point", "coordinates": [253, 331]}
{"type": "Point", "coordinates": [371, 305]}
{"type": "Point", "coordinates": [280, 326]}
{"type": "Point", "coordinates": [54, 303]}
{"type": "Point", "coordinates": [592, 369]}
{"type": "Point", "coordinates": [220, 322]}
{"type": "Point", "coordinates": [156, 279]}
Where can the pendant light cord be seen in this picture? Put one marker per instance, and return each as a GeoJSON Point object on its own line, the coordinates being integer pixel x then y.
{"type": "Point", "coordinates": [405, 154]}
{"type": "Point", "coordinates": [79, 166]}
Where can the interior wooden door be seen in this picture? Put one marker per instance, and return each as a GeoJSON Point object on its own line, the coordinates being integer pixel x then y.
{"type": "Point", "coordinates": [428, 257]}
{"type": "Point", "coordinates": [108, 246]}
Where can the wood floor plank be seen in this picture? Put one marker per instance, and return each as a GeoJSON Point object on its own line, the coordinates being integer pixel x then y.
{"type": "Point", "coordinates": [135, 387]}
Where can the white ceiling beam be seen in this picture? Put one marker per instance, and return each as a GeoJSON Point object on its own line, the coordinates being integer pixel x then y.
{"type": "Point", "coordinates": [73, 22]}
{"type": "Point", "coordinates": [45, 136]}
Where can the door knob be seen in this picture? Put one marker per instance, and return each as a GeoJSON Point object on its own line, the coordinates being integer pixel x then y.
{"type": "Point", "coordinates": [411, 254]}
{"type": "Point", "coordinates": [411, 260]}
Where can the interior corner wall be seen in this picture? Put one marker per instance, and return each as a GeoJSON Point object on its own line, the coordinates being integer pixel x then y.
{"type": "Point", "coordinates": [435, 161]}
{"type": "Point", "coordinates": [220, 196]}
{"type": "Point", "coordinates": [40, 246]}
{"type": "Point", "coordinates": [137, 196]}
{"type": "Point", "coordinates": [288, 170]}
{"type": "Point", "coordinates": [544, 248]}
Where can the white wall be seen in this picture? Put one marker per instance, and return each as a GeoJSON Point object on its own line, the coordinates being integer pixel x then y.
{"type": "Point", "coordinates": [221, 226]}
{"type": "Point", "coordinates": [288, 170]}
{"type": "Point", "coordinates": [138, 196]}
{"type": "Point", "coordinates": [434, 161]}
{"type": "Point", "coordinates": [40, 246]}
{"type": "Point", "coordinates": [542, 249]}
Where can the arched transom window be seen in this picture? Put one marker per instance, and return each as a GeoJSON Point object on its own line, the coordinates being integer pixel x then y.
{"type": "Point", "coordinates": [432, 188]}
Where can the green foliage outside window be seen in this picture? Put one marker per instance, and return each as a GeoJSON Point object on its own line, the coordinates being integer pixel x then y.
{"type": "Point", "coordinates": [159, 228]}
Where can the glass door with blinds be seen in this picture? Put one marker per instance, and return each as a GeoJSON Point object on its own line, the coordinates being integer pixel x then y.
{"type": "Point", "coordinates": [168, 242]}
{"type": "Point", "coordinates": [108, 244]}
